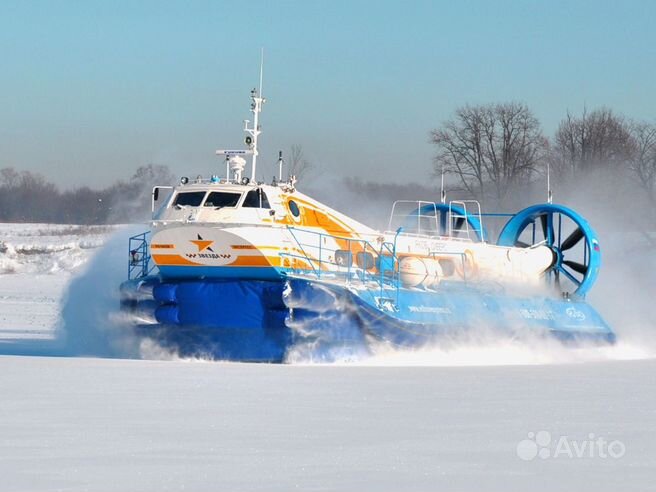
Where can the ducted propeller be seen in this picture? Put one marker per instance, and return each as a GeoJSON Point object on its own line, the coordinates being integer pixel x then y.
{"type": "Point", "coordinates": [576, 249]}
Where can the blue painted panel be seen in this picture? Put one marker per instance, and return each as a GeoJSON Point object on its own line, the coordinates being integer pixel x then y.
{"type": "Point", "coordinates": [422, 315]}
{"type": "Point", "coordinates": [225, 272]}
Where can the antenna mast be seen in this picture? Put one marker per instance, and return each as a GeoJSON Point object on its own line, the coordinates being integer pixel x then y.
{"type": "Point", "coordinates": [442, 191]}
{"type": "Point", "coordinates": [549, 194]}
{"type": "Point", "coordinates": [256, 108]}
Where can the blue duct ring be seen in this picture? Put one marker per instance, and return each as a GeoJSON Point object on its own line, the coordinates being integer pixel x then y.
{"type": "Point", "coordinates": [549, 216]}
{"type": "Point", "coordinates": [442, 210]}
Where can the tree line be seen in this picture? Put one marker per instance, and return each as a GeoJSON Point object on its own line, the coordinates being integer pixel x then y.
{"type": "Point", "coordinates": [497, 152]}
{"type": "Point", "coordinates": [30, 197]}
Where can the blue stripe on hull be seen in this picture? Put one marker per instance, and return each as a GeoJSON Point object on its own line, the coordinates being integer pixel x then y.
{"type": "Point", "coordinates": [219, 272]}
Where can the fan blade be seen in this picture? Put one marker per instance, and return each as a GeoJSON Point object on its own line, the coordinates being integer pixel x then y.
{"type": "Point", "coordinates": [557, 279]}
{"type": "Point", "coordinates": [574, 280]}
{"type": "Point", "coordinates": [458, 225]}
{"type": "Point", "coordinates": [543, 221]}
{"type": "Point", "coordinates": [577, 267]}
{"type": "Point", "coordinates": [572, 239]}
{"type": "Point", "coordinates": [522, 244]}
{"type": "Point", "coordinates": [547, 228]}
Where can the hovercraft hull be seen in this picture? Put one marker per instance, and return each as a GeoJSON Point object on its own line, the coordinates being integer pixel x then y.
{"type": "Point", "coordinates": [266, 321]}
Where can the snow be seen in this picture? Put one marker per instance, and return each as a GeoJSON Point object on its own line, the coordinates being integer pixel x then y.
{"type": "Point", "coordinates": [37, 262]}
{"type": "Point", "coordinates": [449, 417]}
{"type": "Point", "coordinates": [101, 424]}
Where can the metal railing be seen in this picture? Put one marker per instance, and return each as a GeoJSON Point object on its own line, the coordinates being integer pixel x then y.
{"type": "Point", "coordinates": [139, 257]}
{"type": "Point", "coordinates": [464, 218]}
{"type": "Point", "coordinates": [413, 220]}
{"type": "Point", "coordinates": [372, 265]}
{"type": "Point", "coordinates": [316, 259]}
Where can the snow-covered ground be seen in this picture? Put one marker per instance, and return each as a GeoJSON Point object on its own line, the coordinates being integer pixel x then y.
{"type": "Point", "coordinates": [478, 416]}
{"type": "Point", "coordinates": [94, 424]}
{"type": "Point", "coordinates": [36, 263]}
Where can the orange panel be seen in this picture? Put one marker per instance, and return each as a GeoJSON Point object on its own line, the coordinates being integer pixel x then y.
{"type": "Point", "coordinates": [256, 261]}
{"type": "Point", "coordinates": [173, 260]}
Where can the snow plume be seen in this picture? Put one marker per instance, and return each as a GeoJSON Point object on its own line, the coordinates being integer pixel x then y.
{"type": "Point", "coordinates": [91, 322]}
{"type": "Point", "coordinates": [325, 330]}
{"type": "Point", "coordinates": [89, 263]}
{"type": "Point", "coordinates": [483, 345]}
{"type": "Point", "coordinates": [481, 350]}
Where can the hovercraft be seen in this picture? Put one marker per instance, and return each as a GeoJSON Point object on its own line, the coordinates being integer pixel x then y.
{"type": "Point", "coordinates": [237, 269]}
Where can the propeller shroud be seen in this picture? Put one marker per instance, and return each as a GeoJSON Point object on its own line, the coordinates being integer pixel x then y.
{"type": "Point", "coordinates": [577, 255]}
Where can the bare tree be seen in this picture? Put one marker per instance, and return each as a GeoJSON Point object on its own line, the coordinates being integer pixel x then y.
{"type": "Point", "coordinates": [491, 148]}
{"type": "Point", "coordinates": [153, 174]}
{"type": "Point", "coordinates": [130, 201]}
{"type": "Point", "coordinates": [297, 164]}
{"type": "Point", "coordinates": [9, 177]}
{"type": "Point", "coordinates": [26, 196]}
{"type": "Point", "coordinates": [643, 163]}
{"type": "Point", "coordinates": [600, 139]}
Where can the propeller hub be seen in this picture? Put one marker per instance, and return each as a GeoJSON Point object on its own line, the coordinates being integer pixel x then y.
{"type": "Point", "coordinates": [557, 257]}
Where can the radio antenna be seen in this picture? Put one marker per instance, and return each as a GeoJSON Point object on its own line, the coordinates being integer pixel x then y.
{"type": "Point", "coordinates": [261, 68]}
{"type": "Point", "coordinates": [256, 108]}
{"type": "Point", "coordinates": [549, 193]}
{"type": "Point", "coordinates": [233, 157]}
{"type": "Point", "coordinates": [442, 192]}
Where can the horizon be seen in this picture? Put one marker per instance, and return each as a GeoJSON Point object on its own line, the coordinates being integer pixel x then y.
{"type": "Point", "coordinates": [91, 92]}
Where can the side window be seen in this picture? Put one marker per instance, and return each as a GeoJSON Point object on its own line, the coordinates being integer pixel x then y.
{"type": "Point", "coordinates": [293, 208]}
{"type": "Point", "coordinates": [256, 199]}
{"type": "Point", "coordinates": [221, 199]}
{"type": "Point", "coordinates": [189, 199]}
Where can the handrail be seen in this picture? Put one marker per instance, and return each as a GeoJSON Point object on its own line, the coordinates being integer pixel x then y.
{"type": "Point", "coordinates": [139, 257]}
{"type": "Point", "coordinates": [386, 274]}
{"type": "Point", "coordinates": [307, 258]}
{"type": "Point", "coordinates": [465, 216]}
{"type": "Point", "coordinates": [419, 204]}
{"type": "Point", "coordinates": [386, 253]}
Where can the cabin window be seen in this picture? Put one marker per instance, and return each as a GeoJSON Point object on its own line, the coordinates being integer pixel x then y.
{"type": "Point", "coordinates": [220, 199]}
{"type": "Point", "coordinates": [189, 198]}
{"type": "Point", "coordinates": [256, 199]}
{"type": "Point", "coordinates": [293, 208]}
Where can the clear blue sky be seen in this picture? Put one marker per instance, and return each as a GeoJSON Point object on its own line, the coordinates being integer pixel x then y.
{"type": "Point", "coordinates": [89, 90]}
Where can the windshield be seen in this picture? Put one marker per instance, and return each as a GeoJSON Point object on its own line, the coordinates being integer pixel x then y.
{"type": "Point", "coordinates": [191, 198]}
{"type": "Point", "coordinates": [220, 199]}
